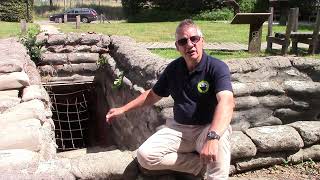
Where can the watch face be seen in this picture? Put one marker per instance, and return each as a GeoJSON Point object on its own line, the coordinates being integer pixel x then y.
{"type": "Point", "coordinates": [213, 135]}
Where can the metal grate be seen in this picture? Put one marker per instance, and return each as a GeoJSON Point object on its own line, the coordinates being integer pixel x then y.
{"type": "Point", "coordinates": [70, 116]}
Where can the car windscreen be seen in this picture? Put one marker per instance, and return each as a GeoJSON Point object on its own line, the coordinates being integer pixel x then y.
{"type": "Point", "coordinates": [69, 12]}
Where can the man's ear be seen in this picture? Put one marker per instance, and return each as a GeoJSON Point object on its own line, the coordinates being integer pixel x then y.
{"type": "Point", "coordinates": [176, 46]}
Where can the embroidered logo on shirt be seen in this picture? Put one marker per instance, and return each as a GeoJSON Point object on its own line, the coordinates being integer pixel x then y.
{"type": "Point", "coordinates": [203, 86]}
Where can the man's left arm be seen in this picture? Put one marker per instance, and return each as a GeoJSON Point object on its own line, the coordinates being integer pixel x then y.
{"type": "Point", "coordinates": [220, 122]}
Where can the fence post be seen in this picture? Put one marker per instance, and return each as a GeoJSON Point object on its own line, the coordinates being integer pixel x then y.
{"type": "Point", "coordinates": [78, 22]}
{"type": "Point", "coordinates": [23, 25]}
{"type": "Point", "coordinates": [65, 18]}
{"type": "Point", "coordinates": [101, 18]}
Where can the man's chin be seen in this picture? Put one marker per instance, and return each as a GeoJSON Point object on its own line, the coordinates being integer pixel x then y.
{"type": "Point", "coordinates": [193, 57]}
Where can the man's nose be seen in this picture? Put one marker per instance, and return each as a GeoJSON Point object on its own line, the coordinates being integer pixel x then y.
{"type": "Point", "coordinates": [189, 43]}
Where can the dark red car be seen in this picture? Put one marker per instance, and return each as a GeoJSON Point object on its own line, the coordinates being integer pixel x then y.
{"type": "Point", "coordinates": [86, 15]}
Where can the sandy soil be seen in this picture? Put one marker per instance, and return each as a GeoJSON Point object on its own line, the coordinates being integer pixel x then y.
{"type": "Point", "coordinates": [308, 170]}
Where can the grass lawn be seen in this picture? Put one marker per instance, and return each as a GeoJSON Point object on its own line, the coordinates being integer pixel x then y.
{"type": "Point", "coordinates": [223, 55]}
{"type": "Point", "coordinates": [10, 29]}
{"type": "Point", "coordinates": [173, 54]}
{"type": "Point", "coordinates": [164, 31]}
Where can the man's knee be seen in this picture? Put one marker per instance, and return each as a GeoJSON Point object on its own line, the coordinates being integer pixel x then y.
{"type": "Point", "coordinates": [144, 156]}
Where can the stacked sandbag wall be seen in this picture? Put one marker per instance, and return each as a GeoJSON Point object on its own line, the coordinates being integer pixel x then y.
{"type": "Point", "coordinates": [277, 114]}
{"type": "Point", "coordinates": [71, 58]}
{"type": "Point", "coordinates": [74, 58]}
{"type": "Point", "coordinates": [27, 130]}
{"type": "Point", "coordinates": [275, 120]}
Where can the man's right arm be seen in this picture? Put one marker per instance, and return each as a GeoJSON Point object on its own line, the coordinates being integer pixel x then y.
{"type": "Point", "coordinates": [146, 98]}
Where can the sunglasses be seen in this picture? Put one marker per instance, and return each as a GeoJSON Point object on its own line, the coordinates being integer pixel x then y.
{"type": "Point", "coordinates": [184, 41]}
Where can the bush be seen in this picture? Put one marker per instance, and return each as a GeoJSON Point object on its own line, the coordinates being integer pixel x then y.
{"type": "Point", "coordinates": [111, 13]}
{"type": "Point", "coordinates": [15, 10]}
{"type": "Point", "coordinates": [46, 10]}
{"type": "Point", "coordinates": [157, 15]}
{"type": "Point", "coordinates": [247, 6]}
{"type": "Point", "coordinates": [132, 7]}
{"type": "Point", "coordinates": [190, 6]}
{"type": "Point", "coordinates": [215, 15]}
{"type": "Point", "coordinates": [29, 41]}
{"type": "Point", "coordinates": [262, 6]}
{"type": "Point", "coordinates": [305, 7]}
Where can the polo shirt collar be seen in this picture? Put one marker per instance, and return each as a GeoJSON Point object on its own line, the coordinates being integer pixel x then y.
{"type": "Point", "coordinates": [201, 66]}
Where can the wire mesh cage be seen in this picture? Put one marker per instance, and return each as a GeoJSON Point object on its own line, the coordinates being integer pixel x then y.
{"type": "Point", "coordinates": [70, 116]}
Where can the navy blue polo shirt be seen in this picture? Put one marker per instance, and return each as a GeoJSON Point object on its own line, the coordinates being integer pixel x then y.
{"type": "Point", "coordinates": [194, 93]}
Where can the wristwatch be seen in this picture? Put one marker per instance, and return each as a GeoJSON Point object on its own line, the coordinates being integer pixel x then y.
{"type": "Point", "coordinates": [212, 135]}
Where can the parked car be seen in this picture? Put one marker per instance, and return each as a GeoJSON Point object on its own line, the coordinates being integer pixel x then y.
{"type": "Point", "coordinates": [86, 15]}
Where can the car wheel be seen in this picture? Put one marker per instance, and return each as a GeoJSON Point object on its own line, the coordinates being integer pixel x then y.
{"type": "Point", "coordinates": [56, 20]}
{"type": "Point", "coordinates": [85, 20]}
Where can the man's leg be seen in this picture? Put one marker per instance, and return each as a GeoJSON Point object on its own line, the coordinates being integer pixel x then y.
{"type": "Point", "coordinates": [169, 149]}
{"type": "Point", "coordinates": [219, 169]}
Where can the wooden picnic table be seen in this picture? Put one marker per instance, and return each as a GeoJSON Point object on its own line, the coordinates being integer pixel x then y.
{"type": "Point", "coordinates": [256, 21]}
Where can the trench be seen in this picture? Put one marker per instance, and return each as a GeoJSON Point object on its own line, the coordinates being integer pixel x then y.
{"type": "Point", "coordinates": [72, 113]}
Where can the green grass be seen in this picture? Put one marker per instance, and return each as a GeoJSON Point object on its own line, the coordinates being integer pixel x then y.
{"type": "Point", "coordinates": [223, 55]}
{"type": "Point", "coordinates": [11, 29]}
{"type": "Point", "coordinates": [164, 31]}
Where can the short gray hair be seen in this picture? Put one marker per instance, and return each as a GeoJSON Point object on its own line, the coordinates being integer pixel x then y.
{"type": "Point", "coordinates": [188, 23]}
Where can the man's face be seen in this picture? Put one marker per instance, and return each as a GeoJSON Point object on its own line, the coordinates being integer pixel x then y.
{"type": "Point", "coordinates": [189, 43]}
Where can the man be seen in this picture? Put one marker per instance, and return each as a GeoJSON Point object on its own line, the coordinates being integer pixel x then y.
{"type": "Point", "coordinates": [203, 105]}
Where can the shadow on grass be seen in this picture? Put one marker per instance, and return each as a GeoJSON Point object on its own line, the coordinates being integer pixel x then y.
{"type": "Point", "coordinates": [302, 52]}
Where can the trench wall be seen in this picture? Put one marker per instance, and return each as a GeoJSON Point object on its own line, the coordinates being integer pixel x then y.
{"type": "Point", "coordinates": [26, 136]}
{"type": "Point", "coordinates": [277, 112]}
{"type": "Point", "coordinates": [277, 98]}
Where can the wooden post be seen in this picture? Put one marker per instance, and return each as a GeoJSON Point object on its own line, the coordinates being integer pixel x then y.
{"type": "Point", "coordinates": [294, 46]}
{"type": "Point", "coordinates": [295, 19]}
{"type": "Point", "coordinates": [270, 24]}
{"type": "Point", "coordinates": [286, 44]}
{"type": "Point", "coordinates": [23, 25]}
{"type": "Point", "coordinates": [315, 36]}
{"type": "Point", "coordinates": [65, 18]}
{"type": "Point", "coordinates": [27, 8]}
{"type": "Point", "coordinates": [284, 7]}
{"type": "Point", "coordinates": [78, 22]}
{"type": "Point", "coordinates": [254, 45]}
{"type": "Point", "coordinates": [101, 18]}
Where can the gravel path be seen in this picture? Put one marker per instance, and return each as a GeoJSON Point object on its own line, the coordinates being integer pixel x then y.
{"type": "Point", "coordinates": [48, 27]}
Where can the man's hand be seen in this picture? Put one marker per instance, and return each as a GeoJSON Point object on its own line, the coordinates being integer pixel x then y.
{"type": "Point", "coordinates": [113, 113]}
{"type": "Point", "coordinates": [209, 151]}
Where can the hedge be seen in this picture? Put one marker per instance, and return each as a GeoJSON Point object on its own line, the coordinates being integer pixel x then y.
{"type": "Point", "coordinates": [15, 10]}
